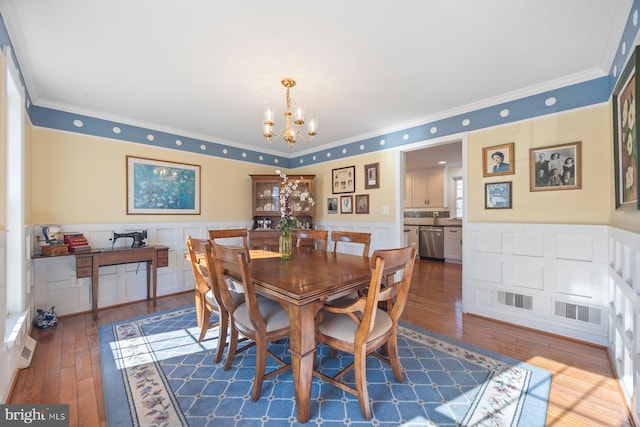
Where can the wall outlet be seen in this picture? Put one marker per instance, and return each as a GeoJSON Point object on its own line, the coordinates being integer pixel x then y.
{"type": "Point", "coordinates": [385, 209]}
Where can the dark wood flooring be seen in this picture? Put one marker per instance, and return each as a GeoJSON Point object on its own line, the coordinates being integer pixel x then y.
{"type": "Point", "coordinates": [584, 391]}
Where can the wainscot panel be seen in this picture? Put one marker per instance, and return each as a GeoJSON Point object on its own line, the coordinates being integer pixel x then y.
{"type": "Point", "coordinates": [543, 276]}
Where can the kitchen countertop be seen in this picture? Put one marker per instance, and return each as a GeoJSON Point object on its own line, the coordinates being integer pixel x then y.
{"type": "Point", "coordinates": [442, 222]}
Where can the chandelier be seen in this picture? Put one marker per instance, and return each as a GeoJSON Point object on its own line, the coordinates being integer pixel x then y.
{"type": "Point", "coordinates": [289, 132]}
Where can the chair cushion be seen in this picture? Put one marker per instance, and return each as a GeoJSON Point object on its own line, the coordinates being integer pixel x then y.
{"type": "Point", "coordinates": [272, 312]}
{"type": "Point", "coordinates": [238, 298]}
{"type": "Point", "coordinates": [343, 328]}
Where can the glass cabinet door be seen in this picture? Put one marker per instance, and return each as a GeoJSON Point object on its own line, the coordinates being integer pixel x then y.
{"type": "Point", "coordinates": [267, 197]}
{"type": "Point", "coordinates": [297, 204]}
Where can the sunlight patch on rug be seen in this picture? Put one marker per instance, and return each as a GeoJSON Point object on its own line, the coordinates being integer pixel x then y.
{"type": "Point", "coordinates": [156, 373]}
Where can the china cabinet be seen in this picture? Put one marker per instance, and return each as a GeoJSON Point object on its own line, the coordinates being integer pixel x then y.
{"type": "Point", "coordinates": [265, 193]}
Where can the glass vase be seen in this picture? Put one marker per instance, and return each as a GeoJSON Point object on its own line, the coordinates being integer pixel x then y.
{"type": "Point", "coordinates": [285, 246]}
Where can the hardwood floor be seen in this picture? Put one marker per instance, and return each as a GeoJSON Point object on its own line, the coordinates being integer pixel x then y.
{"type": "Point", "coordinates": [584, 391]}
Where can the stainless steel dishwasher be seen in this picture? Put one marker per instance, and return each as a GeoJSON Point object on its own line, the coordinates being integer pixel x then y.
{"type": "Point", "coordinates": [432, 243]}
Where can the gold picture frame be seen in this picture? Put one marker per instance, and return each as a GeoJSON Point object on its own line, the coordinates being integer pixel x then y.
{"type": "Point", "coordinates": [499, 160]}
{"type": "Point", "coordinates": [556, 167]}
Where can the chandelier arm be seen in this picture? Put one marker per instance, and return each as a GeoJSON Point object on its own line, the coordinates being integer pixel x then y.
{"type": "Point", "coordinates": [305, 139]}
{"type": "Point", "coordinates": [275, 136]}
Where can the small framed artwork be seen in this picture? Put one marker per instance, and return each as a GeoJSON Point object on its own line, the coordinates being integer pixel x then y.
{"type": "Point", "coordinates": [346, 204]}
{"type": "Point", "coordinates": [498, 160]}
{"type": "Point", "coordinates": [332, 205]}
{"type": "Point", "coordinates": [160, 187]}
{"type": "Point", "coordinates": [556, 167]}
{"type": "Point", "coordinates": [362, 204]}
{"type": "Point", "coordinates": [625, 136]}
{"type": "Point", "coordinates": [497, 195]}
{"type": "Point", "coordinates": [372, 176]}
{"type": "Point", "coordinates": [343, 180]}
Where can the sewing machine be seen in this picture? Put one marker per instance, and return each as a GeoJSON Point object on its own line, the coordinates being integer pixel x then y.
{"type": "Point", "coordinates": [137, 236]}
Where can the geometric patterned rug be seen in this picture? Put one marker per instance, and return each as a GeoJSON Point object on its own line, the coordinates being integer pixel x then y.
{"type": "Point", "coordinates": [155, 373]}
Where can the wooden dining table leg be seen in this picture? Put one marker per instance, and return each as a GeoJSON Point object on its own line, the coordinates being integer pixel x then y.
{"type": "Point", "coordinates": [302, 346]}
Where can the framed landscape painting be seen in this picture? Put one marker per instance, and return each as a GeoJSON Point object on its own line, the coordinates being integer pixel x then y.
{"type": "Point", "coordinates": [625, 137]}
{"type": "Point", "coordinates": [160, 187]}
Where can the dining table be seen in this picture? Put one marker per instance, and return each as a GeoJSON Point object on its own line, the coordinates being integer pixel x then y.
{"type": "Point", "coordinates": [302, 285]}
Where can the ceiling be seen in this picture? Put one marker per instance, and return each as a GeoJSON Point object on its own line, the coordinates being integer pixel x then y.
{"type": "Point", "coordinates": [207, 69]}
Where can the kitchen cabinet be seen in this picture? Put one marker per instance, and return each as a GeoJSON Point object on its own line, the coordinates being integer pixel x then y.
{"type": "Point", "coordinates": [453, 244]}
{"type": "Point", "coordinates": [413, 237]}
{"type": "Point", "coordinates": [265, 202]}
{"type": "Point", "coordinates": [424, 189]}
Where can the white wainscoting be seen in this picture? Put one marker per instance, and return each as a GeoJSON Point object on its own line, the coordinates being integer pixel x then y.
{"type": "Point", "coordinates": [543, 276]}
{"type": "Point", "coordinates": [384, 235]}
{"type": "Point", "coordinates": [56, 283]}
{"type": "Point", "coordinates": [55, 278]}
{"type": "Point", "coordinates": [578, 281]}
{"type": "Point", "coordinates": [624, 312]}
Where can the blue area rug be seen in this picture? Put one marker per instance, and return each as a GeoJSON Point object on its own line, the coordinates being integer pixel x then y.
{"type": "Point", "coordinates": [155, 373]}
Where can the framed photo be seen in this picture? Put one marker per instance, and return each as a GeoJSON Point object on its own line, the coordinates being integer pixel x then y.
{"type": "Point", "coordinates": [625, 136]}
{"type": "Point", "coordinates": [362, 204]}
{"type": "Point", "coordinates": [332, 205]}
{"type": "Point", "coordinates": [160, 187]}
{"type": "Point", "coordinates": [497, 195]}
{"type": "Point", "coordinates": [556, 167]}
{"type": "Point", "coordinates": [346, 204]}
{"type": "Point", "coordinates": [343, 180]}
{"type": "Point", "coordinates": [372, 176]}
{"type": "Point", "coordinates": [498, 160]}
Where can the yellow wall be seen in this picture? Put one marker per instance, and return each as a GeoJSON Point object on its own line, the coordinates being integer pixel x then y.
{"type": "Point", "coordinates": [82, 179]}
{"type": "Point", "coordinates": [378, 197]}
{"type": "Point", "coordinates": [589, 205]}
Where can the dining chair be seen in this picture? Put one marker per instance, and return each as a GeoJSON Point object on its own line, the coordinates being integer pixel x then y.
{"type": "Point", "coordinates": [363, 327]}
{"type": "Point", "coordinates": [230, 233]}
{"type": "Point", "coordinates": [351, 237]}
{"type": "Point", "coordinates": [257, 318]}
{"type": "Point", "coordinates": [311, 237]}
{"type": "Point", "coordinates": [205, 293]}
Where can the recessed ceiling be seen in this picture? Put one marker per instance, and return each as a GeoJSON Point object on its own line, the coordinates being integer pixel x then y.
{"type": "Point", "coordinates": [207, 69]}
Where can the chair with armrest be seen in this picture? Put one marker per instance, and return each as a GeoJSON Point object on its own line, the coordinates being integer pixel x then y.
{"type": "Point", "coordinates": [310, 237]}
{"type": "Point", "coordinates": [363, 327]}
{"type": "Point", "coordinates": [207, 298]}
{"type": "Point", "coordinates": [257, 318]}
{"type": "Point", "coordinates": [351, 237]}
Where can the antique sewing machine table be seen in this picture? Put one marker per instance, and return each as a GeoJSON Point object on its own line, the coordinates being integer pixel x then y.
{"type": "Point", "coordinates": [88, 265]}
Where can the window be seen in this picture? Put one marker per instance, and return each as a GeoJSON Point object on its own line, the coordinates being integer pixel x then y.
{"type": "Point", "coordinates": [16, 291]}
{"type": "Point", "coordinates": [459, 197]}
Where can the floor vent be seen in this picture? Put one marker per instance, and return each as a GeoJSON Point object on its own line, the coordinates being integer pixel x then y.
{"type": "Point", "coordinates": [578, 312]}
{"type": "Point", "coordinates": [515, 300]}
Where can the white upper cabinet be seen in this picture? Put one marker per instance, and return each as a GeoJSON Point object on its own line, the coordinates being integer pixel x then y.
{"type": "Point", "coordinates": [425, 189]}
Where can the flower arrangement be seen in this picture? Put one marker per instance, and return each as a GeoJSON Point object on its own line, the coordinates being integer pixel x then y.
{"type": "Point", "coordinates": [288, 221]}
